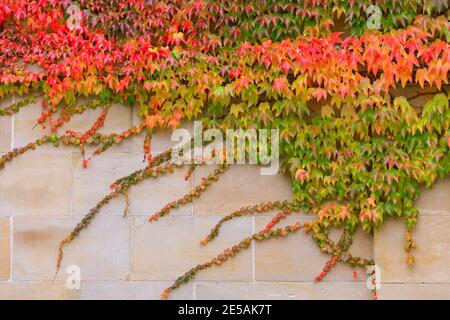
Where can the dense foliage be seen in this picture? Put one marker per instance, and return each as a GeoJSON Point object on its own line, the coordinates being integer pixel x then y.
{"type": "Point", "coordinates": [356, 152]}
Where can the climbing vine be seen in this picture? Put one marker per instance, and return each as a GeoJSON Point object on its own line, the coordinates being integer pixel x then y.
{"type": "Point", "coordinates": [355, 150]}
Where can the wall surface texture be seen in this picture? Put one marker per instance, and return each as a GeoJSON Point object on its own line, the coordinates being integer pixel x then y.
{"type": "Point", "coordinates": [45, 193]}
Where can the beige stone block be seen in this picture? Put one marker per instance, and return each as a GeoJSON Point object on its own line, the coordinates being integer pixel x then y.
{"type": "Point", "coordinates": [435, 200]}
{"type": "Point", "coordinates": [298, 258]}
{"type": "Point", "coordinates": [26, 129]}
{"type": "Point", "coordinates": [5, 126]}
{"type": "Point", "coordinates": [407, 291]}
{"type": "Point", "coordinates": [119, 119]}
{"type": "Point", "coordinates": [240, 185]}
{"type": "Point", "coordinates": [131, 290]}
{"type": "Point", "coordinates": [254, 291]}
{"type": "Point", "coordinates": [38, 183]}
{"type": "Point", "coordinates": [92, 184]}
{"type": "Point", "coordinates": [152, 195]}
{"type": "Point", "coordinates": [5, 134]}
{"type": "Point", "coordinates": [72, 294]}
{"type": "Point", "coordinates": [169, 247]}
{"type": "Point", "coordinates": [343, 291]}
{"type": "Point", "coordinates": [5, 248]}
{"type": "Point", "coordinates": [32, 290]}
{"type": "Point", "coordinates": [102, 251]}
{"type": "Point", "coordinates": [432, 256]}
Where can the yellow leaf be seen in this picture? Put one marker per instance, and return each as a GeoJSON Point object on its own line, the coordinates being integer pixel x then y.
{"type": "Point", "coordinates": [236, 109]}
{"type": "Point", "coordinates": [327, 111]}
{"type": "Point", "coordinates": [348, 111]}
{"type": "Point", "coordinates": [264, 107]}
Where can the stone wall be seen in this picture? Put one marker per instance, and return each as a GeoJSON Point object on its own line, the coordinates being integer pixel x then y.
{"type": "Point", "coordinates": [45, 193]}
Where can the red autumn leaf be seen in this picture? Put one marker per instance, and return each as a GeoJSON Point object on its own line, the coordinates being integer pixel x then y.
{"type": "Point", "coordinates": [285, 66]}
{"type": "Point", "coordinates": [301, 175]}
{"type": "Point", "coordinates": [280, 84]}
{"type": "Point", "coordinates": [319, 94]}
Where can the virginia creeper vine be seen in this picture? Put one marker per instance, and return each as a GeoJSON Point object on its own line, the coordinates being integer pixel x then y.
{"type": "Point", "coordinates": [355, 151]}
